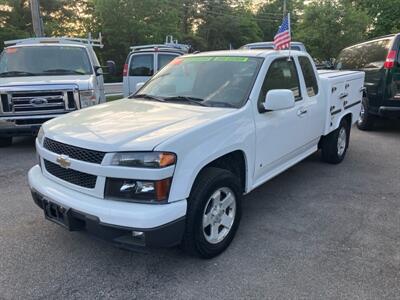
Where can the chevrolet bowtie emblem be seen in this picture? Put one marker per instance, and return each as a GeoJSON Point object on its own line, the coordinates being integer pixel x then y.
{"type": "Point", "coordinates": [63, 161]}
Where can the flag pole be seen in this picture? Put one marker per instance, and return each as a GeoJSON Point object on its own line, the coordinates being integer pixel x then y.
{"type": "Point", "coordinates": [290, 35]}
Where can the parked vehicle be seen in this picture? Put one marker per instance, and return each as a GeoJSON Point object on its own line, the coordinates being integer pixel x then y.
{"type": "Point", "coordinates": [270, 45]}
{"type": "Point", "coordinates": [169, 165]}
{"type": "Point", "coordinates": [42, 78]}
{"type": "Point", "coordinates": [144, 61]}
{"type": "Point", "coordinates": [379, 59]}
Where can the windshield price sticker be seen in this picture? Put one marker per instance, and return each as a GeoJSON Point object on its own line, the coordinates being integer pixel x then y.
{"type": "Point", "coordinates": [11, 50]}
{"type": "Point", "coordinates": [217, 58]}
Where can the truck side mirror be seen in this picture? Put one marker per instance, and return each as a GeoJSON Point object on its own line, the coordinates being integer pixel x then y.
{"type": "Point", "coordinates": [111, 68]}
{"type": "Point", "coordinates": [279, 100]}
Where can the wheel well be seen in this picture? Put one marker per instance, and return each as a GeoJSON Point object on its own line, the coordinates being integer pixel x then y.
{"type": "Point", "coordinates": [348, 118]}
{"type": "Point", "coordinates": [234, 162]}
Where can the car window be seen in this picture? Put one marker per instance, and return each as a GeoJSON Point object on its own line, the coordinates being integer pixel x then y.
{"type": "Point", "coordinates": [142, 65]}
{"type": "Point", "coordinates": [46, 61]}
{"type": "Point", "coordinates": [309, 76]}
{"type": "Point", "coordinates": [282, 74]}
{"type": "Point", "coordinates": [164, 59]}
{"type": "Point", "coordinates": [364, 56]}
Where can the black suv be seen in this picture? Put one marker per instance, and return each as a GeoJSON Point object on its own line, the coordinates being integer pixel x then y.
{"type": "Point", "coordinates": [379, 59]}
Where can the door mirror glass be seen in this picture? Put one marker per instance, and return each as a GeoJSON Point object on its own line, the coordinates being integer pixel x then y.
{"type": "Point", "coordinates": [279, 100]}
{"type": "Point", "coordinates": [139, 85]}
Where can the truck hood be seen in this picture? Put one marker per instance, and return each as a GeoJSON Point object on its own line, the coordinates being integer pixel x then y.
{"type": "Point", "coordinates": [129, 124]}
{"type": "Point", "coordinates": [81, 80]}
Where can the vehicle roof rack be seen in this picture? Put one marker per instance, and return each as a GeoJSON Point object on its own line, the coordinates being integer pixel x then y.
{"type": "Point", "coordinates": [170, 44]}
{"type": "Point", "coordinates": [89, 40]}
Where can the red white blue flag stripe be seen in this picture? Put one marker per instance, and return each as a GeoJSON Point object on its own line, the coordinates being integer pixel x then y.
{"type": "Point", "coordinates": [283, 37]}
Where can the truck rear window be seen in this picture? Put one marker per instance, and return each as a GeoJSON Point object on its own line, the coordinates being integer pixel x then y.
{"type": "Point", "coordinates": [367, 55]}
{"type": "Point", "coordinates": [44, 61]}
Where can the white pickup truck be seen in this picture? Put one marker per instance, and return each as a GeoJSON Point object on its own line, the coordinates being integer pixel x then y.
{"type": "Point", "coordinates": [170, 165]}
{"type": "Point", "coordinates": [42, 78]}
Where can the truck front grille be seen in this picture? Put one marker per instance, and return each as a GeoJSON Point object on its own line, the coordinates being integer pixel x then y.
{"type": "Point", "coordinates": [37, 101]}
{"type": "Point", "coordinates": [72, 176]}
{"type": "Point", "coordinates": [74, 152]}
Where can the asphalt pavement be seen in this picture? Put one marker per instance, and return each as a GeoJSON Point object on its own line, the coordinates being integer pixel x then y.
{"type": "Point", "coordinates": [317, 231]}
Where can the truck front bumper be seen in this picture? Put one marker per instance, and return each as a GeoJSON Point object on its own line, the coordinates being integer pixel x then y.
{"type": "Point", "coordinates": [128, 225]}
{"type": "Point", "coordinates": [22, 125]}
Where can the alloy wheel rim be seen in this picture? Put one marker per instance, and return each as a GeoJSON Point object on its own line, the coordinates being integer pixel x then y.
{"type": "Point", "coordinates": [342, 140]}
{"type": "Point", "coordinates": [219, 215]}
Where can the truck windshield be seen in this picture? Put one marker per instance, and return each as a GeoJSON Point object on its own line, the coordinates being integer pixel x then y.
{"type": "Point", "coordinates": [223, 81]}
{"type": "Point", "coordinates": [44, 61]}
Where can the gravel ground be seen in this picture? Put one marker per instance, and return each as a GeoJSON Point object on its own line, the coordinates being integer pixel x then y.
{"type": "Point", "coordinates": [316, 231]}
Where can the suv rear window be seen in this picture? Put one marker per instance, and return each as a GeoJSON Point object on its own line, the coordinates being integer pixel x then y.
{"type": "Point", "coordinates": [142, 65]}
{"type": "Point", "coordinates": [364, 56]}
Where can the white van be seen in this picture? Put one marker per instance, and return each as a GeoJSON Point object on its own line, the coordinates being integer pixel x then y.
{"type": "Point", "coordinates": [144, 61]}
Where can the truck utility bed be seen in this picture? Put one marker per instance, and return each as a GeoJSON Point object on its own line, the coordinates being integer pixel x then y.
{"type": "Point", "coordinates": [342, 88]}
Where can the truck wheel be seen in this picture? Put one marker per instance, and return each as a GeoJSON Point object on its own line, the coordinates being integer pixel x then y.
{"type": "Point", "coordinates": [5, 141]}
{"type": "Point", "coordinates": [213, 213]}
{"type": "Point", "coordinates": [366, 120]}
{"type": "Point", "coordinates": [335, 144]}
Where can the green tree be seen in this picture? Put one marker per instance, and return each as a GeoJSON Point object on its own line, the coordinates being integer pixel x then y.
{"type": "Point", "coordinates": [270, 15]}
{"type": "Point", "coordinates": [384, 15]}
{"type": "Point", "coordinates": [329, 26]}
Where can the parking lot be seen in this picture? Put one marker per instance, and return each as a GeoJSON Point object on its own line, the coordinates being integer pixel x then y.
{"type": "Point", "coordinates": [316, 231]}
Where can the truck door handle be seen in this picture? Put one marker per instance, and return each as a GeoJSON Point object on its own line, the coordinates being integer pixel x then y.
{"type": "Point", "coordinates": [301, 112]}
{"type": "Point", "coordinates": [343, 95]}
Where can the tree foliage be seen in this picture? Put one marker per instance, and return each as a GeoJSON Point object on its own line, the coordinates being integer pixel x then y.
{"type": "Point", "coordinates": [329, 26]}
{"type": "Point", "coordinates": [325, 26]}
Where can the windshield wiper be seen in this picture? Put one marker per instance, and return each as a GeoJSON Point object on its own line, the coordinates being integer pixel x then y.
{"type": "Point", "coordinates": [147, 96]}
{"type": "Point", "coordinates": [16, 73]}
{"type": "Point", "coordinates": [193, 100]}
{"type": "Point", "coordinates": [64, 71]}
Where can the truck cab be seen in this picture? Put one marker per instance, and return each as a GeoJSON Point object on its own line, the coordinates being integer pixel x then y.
{"type": "Point", "coordinates": [42, 78]}
{"type": "Point", "coordinates": [146, 60]}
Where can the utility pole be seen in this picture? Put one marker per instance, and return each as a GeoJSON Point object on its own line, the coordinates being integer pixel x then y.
{"type": "Point", "coordinates": [284, 8]}
{"type": "Point", "coordinates": [36, 19]}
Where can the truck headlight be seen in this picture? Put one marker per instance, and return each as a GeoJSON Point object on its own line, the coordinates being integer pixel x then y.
{"type": "Point", "coordinates": [40, 136]}
{"type": "Point", "coordinates": [137, 190]}
{"type": "Point", "coordinates": [87, 98]}
{"type": "Point", "coordinates": [144, 159]}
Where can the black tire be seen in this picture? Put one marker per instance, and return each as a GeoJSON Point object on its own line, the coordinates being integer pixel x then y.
{"type": "Point", "coordinates": [334, 152]}
{"type": "Point", "coordinates": [5, 141]}
{"type": "Point", "coordinates": [209, 181]}
{"type": "Point", "coordinates": [366, 120]}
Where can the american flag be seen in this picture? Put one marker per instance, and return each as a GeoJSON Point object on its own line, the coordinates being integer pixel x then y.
{"type": "Point", "coordinates": [282, 38]}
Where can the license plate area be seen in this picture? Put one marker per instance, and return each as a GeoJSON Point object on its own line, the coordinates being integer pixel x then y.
{"type": "Point", "coordinates": [60, 215]}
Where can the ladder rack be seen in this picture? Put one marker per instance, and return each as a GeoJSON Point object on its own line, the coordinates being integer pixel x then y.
{"type": "Point", "coordinates": [90, 41]}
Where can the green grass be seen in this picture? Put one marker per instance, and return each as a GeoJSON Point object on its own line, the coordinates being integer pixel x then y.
{"type": "Point", "coordinates": [113, 98]}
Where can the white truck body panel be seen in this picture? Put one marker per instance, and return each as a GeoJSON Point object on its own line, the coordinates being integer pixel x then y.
{"type": "Point", "coordinates": [270, 142]}
{"type": "Point", "coordinates": [343, 91]}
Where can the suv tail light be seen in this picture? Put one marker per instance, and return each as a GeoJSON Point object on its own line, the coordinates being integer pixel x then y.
{"type": "Point", "coordinates": [125, 71]}
{"type": "Point", "coordinates": [390, 59]}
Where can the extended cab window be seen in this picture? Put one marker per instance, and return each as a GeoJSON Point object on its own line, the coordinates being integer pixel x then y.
{"type": "Point", "coordinates": [142, 65]}
{"type": "Point", "coordinates": [282, 74]}
{"type": "Point", "coordinates": [309, 76]}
